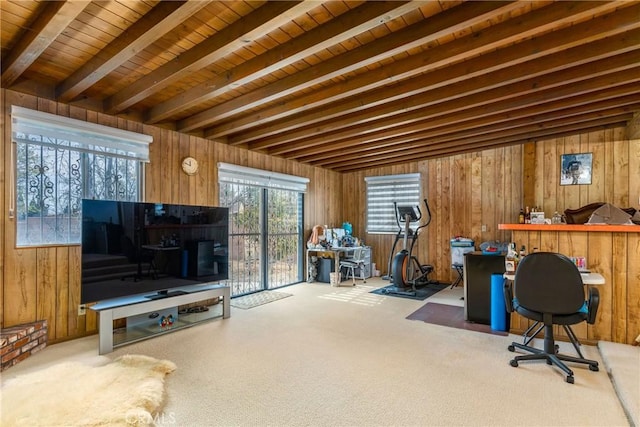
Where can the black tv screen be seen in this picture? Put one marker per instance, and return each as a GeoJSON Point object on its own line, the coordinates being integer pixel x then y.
{"type": "Point", "coordinates": [131, 248]}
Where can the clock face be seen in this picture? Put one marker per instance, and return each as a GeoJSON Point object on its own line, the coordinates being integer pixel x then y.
{"type": "Point", "coordinates": [190, 165]}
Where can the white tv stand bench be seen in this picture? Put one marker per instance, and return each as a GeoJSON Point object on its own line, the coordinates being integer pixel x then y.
{"type": "Point", "coordinates": [118, 308]}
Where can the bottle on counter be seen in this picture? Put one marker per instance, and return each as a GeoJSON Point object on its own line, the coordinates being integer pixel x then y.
{"type": "Point", "coordinates": [511, 260]}
{"type": "Point", "coordinates": [527, 216]}
{"type": "Point", "coordinates": [521, 216]}
{"type": "Point", "coordinates": [523, 253]}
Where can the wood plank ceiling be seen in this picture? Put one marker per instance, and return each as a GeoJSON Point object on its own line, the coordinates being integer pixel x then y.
{"type": "Point", "coordinates": [344, 85]}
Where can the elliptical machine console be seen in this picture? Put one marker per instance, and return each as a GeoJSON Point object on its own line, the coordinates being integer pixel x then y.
{"type": "Point", "coordinates": [407, 273]}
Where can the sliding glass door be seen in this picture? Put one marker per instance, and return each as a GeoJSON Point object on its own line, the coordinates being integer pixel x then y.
{"type": "Point", "coordinates": [265, 236]}
{"type": "Point", "coordinates": [284, 239]}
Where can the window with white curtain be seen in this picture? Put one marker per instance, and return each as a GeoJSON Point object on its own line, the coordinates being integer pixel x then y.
{"type": "Point", "coordinates": [382, 193]}
{"type": "Point", "coordinates": [58, 162]}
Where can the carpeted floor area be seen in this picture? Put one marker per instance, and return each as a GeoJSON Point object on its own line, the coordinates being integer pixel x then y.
{"type": "Point", "coordinates": [334, 356]}
{"type": "Point", "coordinates": [622, 362]}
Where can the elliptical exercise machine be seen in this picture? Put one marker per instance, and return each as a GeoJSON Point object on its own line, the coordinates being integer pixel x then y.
{"type": "Point", "coordinates": [407, 273]}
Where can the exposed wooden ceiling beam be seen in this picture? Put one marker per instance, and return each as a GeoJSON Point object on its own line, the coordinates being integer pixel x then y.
{"type": "Point", "coordinates": [614, 86]}
{"type": "Point", "coordinates": [160, 20]}
{"type": "Point", "coordinates": [476, 121]}
{"type": "Point", "coordinates": [264, 19]}
{"type": "Point", "coordinates": [497, 68]}
{"type": "Point", "coordinates": [52, 21]}
{"type": "Point", "coordinates": [476, 43]}
{"type": "Point", "coordinates": [344, 27]}
{"type": "Point", "coordinates": [430, 151]}
{"type": "Point", "coordinates": [341, 85]}
{"type": "Point", "coordinates": [410, 37]}
{"type": "Point", "coordinates": [507, 84]}
{"type": "Point", "coordinates": [484, 133]}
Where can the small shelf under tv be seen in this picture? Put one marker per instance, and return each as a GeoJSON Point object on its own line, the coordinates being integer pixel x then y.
{"type": "Point", "coordinates": [141, 306]}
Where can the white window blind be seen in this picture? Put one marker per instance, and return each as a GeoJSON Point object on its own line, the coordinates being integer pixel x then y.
{"type": "Point", "coordinates": [63, 132]}
{"type": "Point", "coordinates": [382, 192]}
{"type": "Point", "coordinates": [234, 174]}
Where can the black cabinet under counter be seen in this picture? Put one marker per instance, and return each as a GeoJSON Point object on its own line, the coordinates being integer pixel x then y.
{"type": "Point", "coordinates": [478, 268]}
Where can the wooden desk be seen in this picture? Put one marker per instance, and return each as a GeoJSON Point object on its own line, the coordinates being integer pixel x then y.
{"type": "Point", "coordinates": [587, 278]}
{"type": "Point", "coordinates": [335, 252]}
{"type": "Point", "coordinates": [611, 250]}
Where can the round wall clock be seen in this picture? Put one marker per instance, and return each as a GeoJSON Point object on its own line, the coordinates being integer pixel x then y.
{"type": "Point", "coordinates": [190, 165]}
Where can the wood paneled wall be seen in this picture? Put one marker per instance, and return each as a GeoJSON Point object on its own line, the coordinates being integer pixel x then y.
{"type": "Point", "coordinates": [615, 174]}
{"type": "Point", "coordinates": [44, 282]}
{"type": "Point", "coordinates": [465, 193]}
{"type": "Point", "coordinates": [614, 255]}
{"type": "Point", "coordinates": [487, 188]}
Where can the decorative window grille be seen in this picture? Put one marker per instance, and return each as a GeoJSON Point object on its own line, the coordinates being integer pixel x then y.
{"type": "Point", "coordinates": [382, 192]}
{"type": "Point", "coordinates": [266, 227]}
{"type": "Point", "coordinates": [58, 162]}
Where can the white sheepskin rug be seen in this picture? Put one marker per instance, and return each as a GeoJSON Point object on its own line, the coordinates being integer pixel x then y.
{"type": "Point", "coordinates": [124, 392]}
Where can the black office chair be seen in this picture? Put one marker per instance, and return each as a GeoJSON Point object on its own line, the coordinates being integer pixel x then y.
{"type": "Point", "coordinates": [548, 288]}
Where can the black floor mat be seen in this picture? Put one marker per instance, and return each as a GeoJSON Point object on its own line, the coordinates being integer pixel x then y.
{"type": "Point", "coordinates": [421, 293]}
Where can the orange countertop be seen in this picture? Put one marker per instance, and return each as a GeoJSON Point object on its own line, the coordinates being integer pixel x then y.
{"type": "Point", "coordinates": [571, 227]}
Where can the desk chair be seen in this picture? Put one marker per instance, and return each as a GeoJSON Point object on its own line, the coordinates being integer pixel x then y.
{"type": "Point", "coordinates": [351, 263]}
{"type": "Point", "coordinates": [548, 288]}
{"type": "Point", "coordinates": [459, 268]}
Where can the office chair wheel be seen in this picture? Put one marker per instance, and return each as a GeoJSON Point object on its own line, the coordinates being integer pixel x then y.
{"type": "Point", "coordinates": [513, 362]}
{"type": "Point", "coordinates": [570, 379]}
{"type": "Point", "coordinates": [511, 348]}
{"type": "Point", "coordinates": [594, 368]}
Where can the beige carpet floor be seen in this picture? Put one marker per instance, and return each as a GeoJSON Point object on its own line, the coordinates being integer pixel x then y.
{"type": "Point", "coordinates": [330, 356]}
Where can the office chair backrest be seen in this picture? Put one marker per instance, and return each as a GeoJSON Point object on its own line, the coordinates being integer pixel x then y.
{"type": "Point", "coordinates": [358, 254]}
{"type": "Point", "coordinates": [548, 282]}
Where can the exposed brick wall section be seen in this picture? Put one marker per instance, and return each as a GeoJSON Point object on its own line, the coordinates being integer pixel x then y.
{"type": "Point", "coordinates": [19, 342]}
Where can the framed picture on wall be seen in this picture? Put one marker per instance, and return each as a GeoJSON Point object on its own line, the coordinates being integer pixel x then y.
{"type": "Point", "coordinates": [575, 169]}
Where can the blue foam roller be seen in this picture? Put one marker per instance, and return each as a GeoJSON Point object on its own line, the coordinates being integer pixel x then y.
{"type": "Point", "coordinates": [498, 307]}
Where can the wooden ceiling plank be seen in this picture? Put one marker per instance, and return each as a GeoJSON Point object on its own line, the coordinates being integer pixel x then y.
{"type": "Point", "coordinates": [543, 101]}
{"type": "Point", "coordinates": [499, 81]}
{"type": "Point", "coordinates": [472, 120]}
{"type": "Point", "coordinates": [160, 20]}
{"type": "Point", "coordinates": [343, 27]}
{"type": "Point", "coordinates": [618, 84]}
{"type": "Point", "coordinates": [409, 37]}
{"type": "Point", "coordinates": [263, 20]}
{"type": "Point", "coordinates": [481, 133]}
{"type": "Point", "coordinates": [474, 148]}
{"type": "Point", "coordinates": [503, 66]}
{"type": "Point", "coordinates": [476, 43]}
{"type": "Point", "coordinates": [53, 19]}
{"type": "Point", "coordinates": [486, 141]}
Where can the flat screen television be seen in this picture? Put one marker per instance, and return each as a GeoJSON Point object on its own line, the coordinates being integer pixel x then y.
{"type": "Point", "coordinates": [131, 248]}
